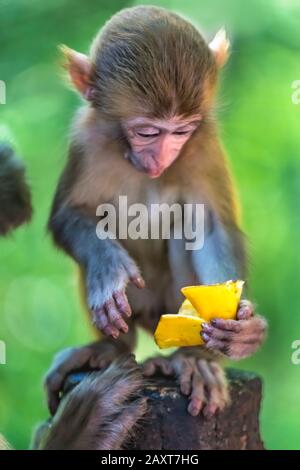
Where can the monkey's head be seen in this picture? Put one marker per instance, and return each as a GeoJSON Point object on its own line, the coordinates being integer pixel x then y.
{"type": "Point", "coordinates": [152, 74]}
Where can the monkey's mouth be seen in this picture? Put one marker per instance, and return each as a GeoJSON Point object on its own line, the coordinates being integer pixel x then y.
{"type": "Point", "coordinates": [154, 173]}
{"type": "Point", "coordinates": [149, 167]}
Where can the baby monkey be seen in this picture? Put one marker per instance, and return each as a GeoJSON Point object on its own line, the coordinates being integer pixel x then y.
{"type": "Point", "coordinates": [147, 131]}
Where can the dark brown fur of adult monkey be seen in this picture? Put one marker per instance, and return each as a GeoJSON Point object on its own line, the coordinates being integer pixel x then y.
{"type": "Point", "coordinates": [15, 200]}
{"type": "Point", "coordinates": [147, 131]}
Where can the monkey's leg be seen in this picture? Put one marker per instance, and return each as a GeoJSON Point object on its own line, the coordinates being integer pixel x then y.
{"type": "Point", "coordinates": [101, 412]}
{"type": "Point", "coordinates": [200, 378]}
{"type": "Point", "coordinates": [93, 356]}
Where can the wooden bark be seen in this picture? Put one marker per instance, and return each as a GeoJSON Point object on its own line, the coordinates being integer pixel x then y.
{"type": "Point", "coordinates": [168, 426]}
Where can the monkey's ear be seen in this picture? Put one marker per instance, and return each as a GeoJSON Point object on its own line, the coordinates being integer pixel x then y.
{"type": "Point", "coordinates": [79, 68]}
{"type": "Point", "coordinates": [220, 46]}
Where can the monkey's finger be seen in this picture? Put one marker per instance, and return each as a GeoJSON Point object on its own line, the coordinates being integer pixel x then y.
{"type": "Point", "coordinates": [98, 362]}
{"type": "Point", "coordinates": [102, 322]}
{"type": "Point", "coordinates": [64, 363]}
{"type": "Point", "coordinates": [228, 325]}
{"type": "Point", "coordinates": [240, 347]}
{"type": "Point", "coordinates": [217, 390]}
{"type": "Point", "coordinates": [246, 310]}
{"type": "Point", "coordinates": [214, 403]}
{"type": "Point", "coordinates": [149, 367]}
{"type": "Point", "coordinates": [216, 344]}
{"type": "Point", "coordinates": [214, 333]}
{"type": "Point", "coordinates": [221, 379]}
{"type": "Point", "coordinates": [211, 387]}
{"type": "Point", "coordinates": [157, 364]}
{"type": "Point", "coordinates": [53, 401]}
{"type": "Point", "coordinates": [251, 336]}
{"type": "Point", "coordinates": [184, 371]}
{"type": "Point", "coordinates": [197, 397]}
{"type": "Point", "coordinates": [53, 385]}
{"type": "Point", "coordinates": [164, 365]}
{"type": "Point", "coordinates": [206, 373]}
{"type": "Point", "coordinates": [255, 324]}
{"type": "Point", "coordinates": [138, 281]}
{"type": "Point", "coordinates": [110, 330]}
{"type": "Point", "coordinates": [114, 316]}
{"type": "Point", "coordinates": [122, 303]}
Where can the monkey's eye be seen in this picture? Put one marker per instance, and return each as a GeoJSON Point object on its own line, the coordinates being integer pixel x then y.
{"type": "Point", "coordinates": [148, 132]}
{"type": "Point", "coordinates": [182, 132]}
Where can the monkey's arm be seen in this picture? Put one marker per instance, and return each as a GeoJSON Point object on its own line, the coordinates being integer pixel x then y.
{"type": "Point", "coordinates": [223, 255]}
{"type": "Point", "coordinates": [223, 258]}
{"type": "Point", "coordinates": [15, 201]}
{"type": "Point", "coordinates": [94, 356]}
{"type": "Point", "coordinates": [197, 369]}
{"type": "Point", "coordinates": [106, 265]}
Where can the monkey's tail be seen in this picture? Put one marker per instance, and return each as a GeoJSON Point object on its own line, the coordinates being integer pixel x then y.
{"type": "Point", "coordinates": [101, 413]}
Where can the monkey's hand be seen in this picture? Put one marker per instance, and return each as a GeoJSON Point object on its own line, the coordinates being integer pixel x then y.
{"type": "Point", "coordinates": [239, 338]}
{"type": "Point", "coordinates": [93, 356]}
{"type": "Point", "coordinates": [106, 284]}
{"type": "Point", "coordinates": [203, 381]}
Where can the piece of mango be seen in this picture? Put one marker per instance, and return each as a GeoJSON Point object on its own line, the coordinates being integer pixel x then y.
{"type": "Point", "coordinates": [178, 330]}
{"type": "Point", "coordinates": [188, 309]}
{"type": "Point", "coordinates": [215, 301]}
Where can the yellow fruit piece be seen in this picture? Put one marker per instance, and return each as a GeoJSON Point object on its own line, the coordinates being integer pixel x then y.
{"type": "Point", "coordinates": [215, 301]}
{"type": "Point", "coordinates": [178, 330]}
{"type": "Point", "coordinates": [187, 309]}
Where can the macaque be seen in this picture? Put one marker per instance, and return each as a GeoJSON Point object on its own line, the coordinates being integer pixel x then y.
{"type": "Point", "coordinates": [147, 130]}
{"type": "Point", "coordinates": [15, 200]}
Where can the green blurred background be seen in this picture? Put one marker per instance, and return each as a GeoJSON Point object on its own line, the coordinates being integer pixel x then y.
{"type": "Point", "coordinates": [39, 306]}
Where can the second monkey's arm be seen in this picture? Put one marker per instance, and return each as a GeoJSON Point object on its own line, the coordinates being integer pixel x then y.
{"type": "Point", "coordinates": [106, 265]}
{"type": "Point", "coordinates": [95, 356]}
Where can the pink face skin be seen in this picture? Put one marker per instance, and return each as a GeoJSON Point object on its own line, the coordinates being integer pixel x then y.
{"type": "Point", "coordinates": [155, 144]}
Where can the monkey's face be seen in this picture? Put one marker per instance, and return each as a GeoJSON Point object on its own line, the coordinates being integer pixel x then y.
{"type": "Point", "coordinates": [155, 144]}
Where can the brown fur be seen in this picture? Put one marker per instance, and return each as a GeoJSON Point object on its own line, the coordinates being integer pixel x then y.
{"type": "Point", "coordinates": [145, 62]}
{"type": "Point", "coordinates": [15, 199]}
{"type": "Point", "coordinates": [100, 413]}
{"type": "Point", "coordinates": [97, 173]}
{"type": "Point", "coordinates": [155, 56]}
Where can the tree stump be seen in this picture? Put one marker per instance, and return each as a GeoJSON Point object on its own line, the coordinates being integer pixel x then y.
{"type": "Point", "coordinates": [168, 426]}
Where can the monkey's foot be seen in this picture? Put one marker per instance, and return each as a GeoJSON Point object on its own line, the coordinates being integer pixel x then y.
{"type": "Point", "coordinates": [94, 356]}
{"type": "Point", "coordinates": [239, 338]}
{"type": "Point", "coordinates": [101, 412]}
{"type": "Point", "coordinates": [203, 381]}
